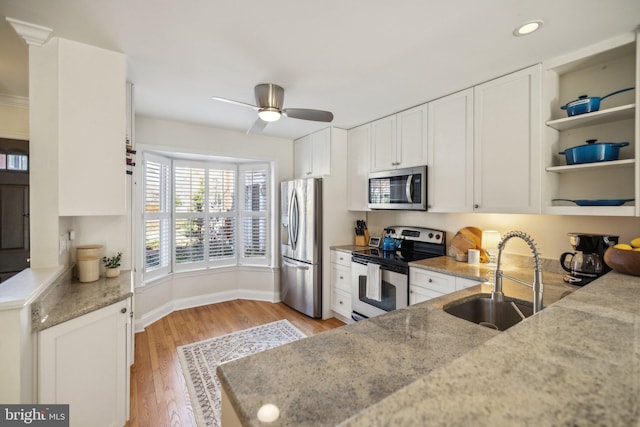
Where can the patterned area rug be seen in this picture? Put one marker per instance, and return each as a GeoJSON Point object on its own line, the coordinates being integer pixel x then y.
{"type": "Point", "coordinates": [199, 362]}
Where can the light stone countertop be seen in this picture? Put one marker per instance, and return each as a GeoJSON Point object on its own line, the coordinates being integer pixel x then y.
{"type": "Point", "coordinates": [67, 298]}
{"type": "Point", "coordinates": [575, 363]}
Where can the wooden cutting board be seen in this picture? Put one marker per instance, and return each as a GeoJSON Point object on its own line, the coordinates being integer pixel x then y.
{"type": "Point", "coordinates": [468, 238]}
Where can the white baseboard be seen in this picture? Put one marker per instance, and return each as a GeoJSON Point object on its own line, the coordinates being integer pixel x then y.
{"type": "Point", "coordinates": [180, 304]}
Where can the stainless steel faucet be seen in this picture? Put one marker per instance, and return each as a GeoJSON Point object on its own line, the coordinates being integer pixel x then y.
{"type": "Point", "coordinates": [497, 294]}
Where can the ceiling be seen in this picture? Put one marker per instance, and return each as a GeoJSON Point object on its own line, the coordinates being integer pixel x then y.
{"type": "Point", "coordinates": [360, 59]}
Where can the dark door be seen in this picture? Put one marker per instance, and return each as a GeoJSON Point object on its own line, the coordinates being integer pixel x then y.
{"type": "Point", "coordinates": [14, 207]}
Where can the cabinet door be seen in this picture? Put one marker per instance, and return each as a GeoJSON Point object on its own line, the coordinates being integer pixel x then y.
{"type": "Point", "coordinates": [418, 294]}
{"type": "Point", "coordinates": [450, 145]}
{"type": "Point", "coordinates": [358, 168]}
{"type": "Point", "coordinates": [302, 157]}
{"type": "Point", "coordinates": [411, 147]}
{"type": "Point", "coordinates": [92, 130]}
{"type": "Point", "coordinates": [321, 152]}
{"type": "Point", "coordinates": [83, 362]}
{"type": "Point", "coordinates": [507, 143]}
{"type": "Point", "coordinates": [383, 144]}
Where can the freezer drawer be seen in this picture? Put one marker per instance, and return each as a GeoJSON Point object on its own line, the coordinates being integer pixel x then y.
{"type": "Point", "coordinates": [301, 287]}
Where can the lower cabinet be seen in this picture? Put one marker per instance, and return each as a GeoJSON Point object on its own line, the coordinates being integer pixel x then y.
{"type": "Point", "coordinates": [341, 283]}
{"type": "Point", "coordinates": [84, 362]}
{"type": "Point", "coordinates": [425, 284]}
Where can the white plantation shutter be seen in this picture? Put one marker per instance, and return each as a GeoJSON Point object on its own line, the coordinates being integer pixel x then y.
{"type": "Point", "coordinates": [222, 214]}
{"type": "Point", "coordinates": [190, 231]}
{"type": "Point", "coordinates": [203, 214]}
{"type": "Point", "coordinates": [157, 215]}
{"type": "Point", "coordinates": [254, 214]}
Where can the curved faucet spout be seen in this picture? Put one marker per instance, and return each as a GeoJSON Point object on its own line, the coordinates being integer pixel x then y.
{"type": "Point", "coordinates": [537, 285]}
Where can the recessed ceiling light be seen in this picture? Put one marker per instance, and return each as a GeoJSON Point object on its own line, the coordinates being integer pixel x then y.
{"type": "Point", "coordinates": [527, 28]}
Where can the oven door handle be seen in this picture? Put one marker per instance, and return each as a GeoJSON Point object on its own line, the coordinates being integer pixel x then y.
{"type": "Point", "coordinates": [408, 187]}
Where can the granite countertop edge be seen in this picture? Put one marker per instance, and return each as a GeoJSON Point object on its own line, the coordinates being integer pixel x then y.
{"type": "Point", "coordinates": [67, 298]}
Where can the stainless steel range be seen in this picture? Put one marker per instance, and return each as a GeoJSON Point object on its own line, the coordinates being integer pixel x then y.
{"type": "Point", "coordinates": [380, 279]}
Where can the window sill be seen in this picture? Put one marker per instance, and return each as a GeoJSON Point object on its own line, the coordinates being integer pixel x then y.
{"type": "Point", "coordinates": [151, 283]}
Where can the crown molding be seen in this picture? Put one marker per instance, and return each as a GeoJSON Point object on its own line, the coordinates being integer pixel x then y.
{"type": "Point", "coordinates": [14, 100]}
{"type": "Point", "coordinates": [34, 35]}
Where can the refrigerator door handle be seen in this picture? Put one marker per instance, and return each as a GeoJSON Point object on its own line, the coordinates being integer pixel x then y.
{"type": "Point", "coordinates": [298, 266]}
{"type": "Point", "coordinates": [294, 218]}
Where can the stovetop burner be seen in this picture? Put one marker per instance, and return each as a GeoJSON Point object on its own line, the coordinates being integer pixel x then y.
{"type": "Point", "coordinates": [417, 244]}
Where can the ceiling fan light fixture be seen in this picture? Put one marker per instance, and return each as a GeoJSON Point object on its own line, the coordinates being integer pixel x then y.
{"type": "Point", "coordinates": [527, 28]}
{"type": "Point", "coordinates": [269, 114]}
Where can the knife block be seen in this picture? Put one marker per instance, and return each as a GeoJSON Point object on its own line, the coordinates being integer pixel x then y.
{"type": "Point", "coordinates": [363, 240]}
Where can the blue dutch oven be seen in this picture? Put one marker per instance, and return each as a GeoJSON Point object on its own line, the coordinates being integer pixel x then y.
{"type": "Point", "coordinates": [593, 152]}
{"type": "Point", "coordinates": [588, 104]}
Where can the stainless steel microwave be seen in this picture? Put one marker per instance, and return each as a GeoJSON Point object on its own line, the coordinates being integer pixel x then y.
{"type": "Point", "coordinates": [404, 189]}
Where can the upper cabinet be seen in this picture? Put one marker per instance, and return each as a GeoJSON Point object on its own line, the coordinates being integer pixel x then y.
{"type": "Point", "coordinates": [91, 101]}
{"type": "Point", "coordinates": [596, 72]}
{"type": "Point", "coordinates": [450, 142]}
{"type": "Point", "coordinates": [400, 141]}
{"type": "Point", "coordinates": [358, 146]}
{"type": "Point", "coordinates": [507, 132]}
{"type": "Point", "coordinates": [312, 155]}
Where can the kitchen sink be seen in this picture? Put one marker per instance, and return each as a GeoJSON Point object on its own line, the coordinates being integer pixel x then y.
{"type": "Point", "coordinates": [481, 309]}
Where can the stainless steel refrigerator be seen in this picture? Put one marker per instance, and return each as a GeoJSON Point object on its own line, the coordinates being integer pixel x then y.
{"type": "Point", "coordinates": [301, 245]}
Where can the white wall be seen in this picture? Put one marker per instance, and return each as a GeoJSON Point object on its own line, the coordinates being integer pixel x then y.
{"type": "Point", "coordinates": [549, 231]}
{"type": "Point", "coordinates": [14, 117]}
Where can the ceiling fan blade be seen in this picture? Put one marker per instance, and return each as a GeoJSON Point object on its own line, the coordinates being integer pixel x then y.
{"type": "Point", "coordinates": [257, 126]}
{"type": "Point", "coordinates": [306, 114]}
{"type": "Point", "coordinates": [231, 101]}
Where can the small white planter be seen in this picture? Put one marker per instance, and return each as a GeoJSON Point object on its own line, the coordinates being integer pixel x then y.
{"type": "Point", "coordinates": [112, 272]}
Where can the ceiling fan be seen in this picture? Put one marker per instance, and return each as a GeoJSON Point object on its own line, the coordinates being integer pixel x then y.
{"type": "Point", "coordinates": [270, 98]}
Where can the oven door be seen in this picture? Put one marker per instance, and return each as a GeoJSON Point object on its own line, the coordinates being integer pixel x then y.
{"type": "Point", "coordinates": [395, 291]}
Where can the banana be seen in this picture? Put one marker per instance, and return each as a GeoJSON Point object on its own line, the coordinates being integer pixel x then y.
{"type": "Point", "coordinates": [636, 242]}
{"type": "Point", "coordinates": [623, 246]}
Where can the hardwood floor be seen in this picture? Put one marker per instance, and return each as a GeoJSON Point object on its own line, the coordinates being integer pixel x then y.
{"type": "Point", "coordinates": [159, 394]}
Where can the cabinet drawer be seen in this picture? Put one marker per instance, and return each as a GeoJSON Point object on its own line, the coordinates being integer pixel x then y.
{"type": "Point", "coordinates": [341, 302]}
{"type": "Point", "coordinates": [342, 258]}
{"type": "Point", "coordinates": [442, 283]}
{"type": "Point", "coordinates": [465, 283]}
{"type": "Point", "coordinates": [419, 294]}
{"type": "Point", "coordinates": [340, 277]}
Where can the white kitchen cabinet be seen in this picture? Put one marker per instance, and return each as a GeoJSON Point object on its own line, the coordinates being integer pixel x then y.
{"type": "Point", "coordinates": [312, 155]}
{"type": "Point", "coordinates": [359, 141]}
{"type": "Point", "coordinates": [594, 71]}
{"type": "Point", "coordinates": [426, 284]}
{"type": "Point", "coordinates": [450, 143]}
{"type": "Point", "coordinates": [507, 143]}
{"type": "Point", "coordinates": [90, 91]}
{"type": "Point", "coordinates": [83, 362]}
{"type": "Point", "coordinates": [400, 141]}
{"type": "Point", "coordinates": [341, 283]}
{"type": "Point", "coordinates": [383, 144]}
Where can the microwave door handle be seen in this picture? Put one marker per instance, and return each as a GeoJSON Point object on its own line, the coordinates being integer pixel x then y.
{"type": "Point", "coordinates": [408, 188]}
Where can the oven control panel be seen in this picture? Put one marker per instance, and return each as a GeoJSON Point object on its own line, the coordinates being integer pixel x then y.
{"type": "Point", "coordinates": [419, 234]}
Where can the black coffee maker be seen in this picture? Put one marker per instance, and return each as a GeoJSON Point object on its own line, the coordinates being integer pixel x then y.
{"type": "Point", "coordinates": [587, 262]}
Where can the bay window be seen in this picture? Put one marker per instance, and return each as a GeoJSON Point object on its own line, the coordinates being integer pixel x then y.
{"type": "Point", "coordinates": [210, 214]}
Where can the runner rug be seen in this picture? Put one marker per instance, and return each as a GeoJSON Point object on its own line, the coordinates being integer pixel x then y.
{"type": "Point", "coordinates": [199, 361]}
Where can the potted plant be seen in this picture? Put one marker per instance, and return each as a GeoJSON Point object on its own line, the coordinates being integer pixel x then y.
{"type": "Point", "coordinates": [112, 265]}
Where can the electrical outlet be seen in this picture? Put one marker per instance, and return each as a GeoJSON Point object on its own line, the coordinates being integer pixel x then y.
{"type": "Point", "coordinates": [62, 246]}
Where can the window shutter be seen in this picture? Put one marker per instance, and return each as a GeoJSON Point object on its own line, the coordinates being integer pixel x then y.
{"type": "Point", "coordinates": [222, 214]}
{"type": "Point", "coordinates": [157, 215]}
{"type": "Point", "coordinates": [255, 214]}
{"type": "Point", "coordinates": [190, 233]}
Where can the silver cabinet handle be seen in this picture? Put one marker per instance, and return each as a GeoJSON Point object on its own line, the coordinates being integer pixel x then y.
{"type": "Point", "coordinates": [124, 310]}
{"type": "Point", "coordinates": [341, 278]}
{"type": "Point", "coordinates": [430, 280]}
{"type": "Point", "coordinates": [476, 206]}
